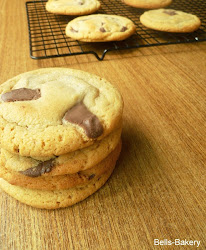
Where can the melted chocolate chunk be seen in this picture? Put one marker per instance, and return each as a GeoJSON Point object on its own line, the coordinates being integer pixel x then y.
{"type": "Point", "coordinates": [22, 94]}
{"type": "Point", "coordinates": [102, 29]}
{"type": "Point", "coordinates": [79, 114]}
{"type": "Point", "coordinates": [123, 29]}
{"type": "Point", "coordinates": [170, 12]}
{"type": "Point", "coordinates": [41, 168]}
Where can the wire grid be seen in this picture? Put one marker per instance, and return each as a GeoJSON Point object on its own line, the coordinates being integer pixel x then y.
{"type": "Point", "coordinates": [47, 31]}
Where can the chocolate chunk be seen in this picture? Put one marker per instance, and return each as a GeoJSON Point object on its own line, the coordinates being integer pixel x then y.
{"type": "Point", "coordinates": [73, 30]}
{"type": "Point", "coordinates": [41, 168]}
{"type": "Point", "coordinates": [22, 94]}
{"type": "Point", "coordinates": [170, 12]}
{"type": "Point", "coordinates": [79, 114]}
{"type": "Point", "coordinates": [102, 29]}
{"type": "Point", "coordinates": [91, 176]}
{"type": "Point", "coordinates": [123, 29]}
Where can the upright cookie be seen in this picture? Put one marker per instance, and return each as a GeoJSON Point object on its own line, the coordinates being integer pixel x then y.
{"type": "Point", "coordinates": [100, 28]}
{"type": "Point", "coordinates": [148, 4]}
{"type": "Point", "coordinates": [170, 20]}
{"type": "Point", "coordinates": [49, 112]}
{"type": "Point", "coordinates": [72, 7]}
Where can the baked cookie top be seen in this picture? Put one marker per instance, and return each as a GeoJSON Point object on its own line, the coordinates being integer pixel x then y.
{"type": "Point", "coordinates": [100, 28]}
{"type": "Point", "coordinates": [148, 4]}
{"type": "Point", "coordinates": [72, 7]}
{"type": "Point", "coordinates": [170, 20]}
{"type": "Point", "coordinates": [54, 111]}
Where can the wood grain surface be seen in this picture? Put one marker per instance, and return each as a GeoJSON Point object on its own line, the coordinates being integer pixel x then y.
{"type": "Point", "coordinates": [157, 190]}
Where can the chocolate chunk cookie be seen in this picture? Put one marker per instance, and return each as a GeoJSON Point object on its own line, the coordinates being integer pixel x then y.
{"type": "Point", "coordinates": [170, 20]}
{"type": "Point", "coordinates": [100, 28]}
{"type": "Point", "coordinates": [48, 199]}
{"type": "Point", "coordinates": [72, 7]}
{"type": "Point", "coordinates": [54, 111]}
{"type": "Point", "coordinates": [33, 178]}
{"type": "Point", "coordinates": [148, 4]}
{"type": "Point", "coordinates": [69, 163]}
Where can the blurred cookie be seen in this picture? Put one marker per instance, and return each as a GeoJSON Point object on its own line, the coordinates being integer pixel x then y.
{"type": "Point", "coordinates": [50, 112]}
{"type": "Point", "coordinates": [100, 28]}
{"type": "Point", "coordinates": [72, 7]}
{"type": "Point", "coordinates": [61, 181]}
{"type": "Point", "coordinates": [57, 198]}
{"type": "Point", "coordinates": [148, 4]}
{"type": "Point", "coordinates": [170, 20]}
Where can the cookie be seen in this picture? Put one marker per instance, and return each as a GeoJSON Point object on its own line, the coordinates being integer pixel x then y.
{"type": "Point", "coordinates": [72, 7]}
{"type": "Point", "coordinates": [54, 111]}
{"type": "Point", "coordinates": [170, 20]}
{"type": "Point", "coordinates": [100, 28]}
{"type": "Point", "coordinates": [57, 198]}
{"type": "Point", "coordinates": [148, 4]}
{"type": "Point", "coordinates": [61, 181]}
{"type": "Point", "coordinates": [70, 163]}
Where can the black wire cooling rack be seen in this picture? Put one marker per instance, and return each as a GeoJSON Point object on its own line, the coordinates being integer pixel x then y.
{"type": "Point", "coordinates": [47, 31]}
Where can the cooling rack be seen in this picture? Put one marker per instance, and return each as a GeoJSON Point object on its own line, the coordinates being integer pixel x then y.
{"type": "Point", "coordinates": [47, 37]}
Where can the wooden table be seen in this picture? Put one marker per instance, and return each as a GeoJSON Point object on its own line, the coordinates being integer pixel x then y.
{"type": "Point", "coordinates": [157, 190]}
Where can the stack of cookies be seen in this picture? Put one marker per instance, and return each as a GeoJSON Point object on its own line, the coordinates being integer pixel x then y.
{"type": "Point", "coordinates": [60, 133]}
